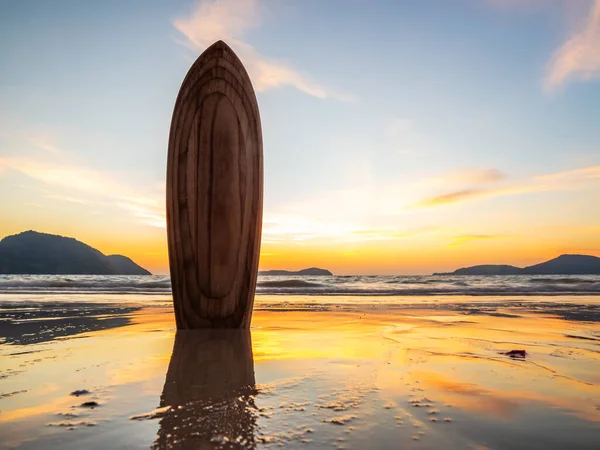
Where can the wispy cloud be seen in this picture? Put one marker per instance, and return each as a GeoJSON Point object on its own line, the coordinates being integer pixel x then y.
{"type": "Point", "coordinates": [378, 211]}
{"type": "Point", "coordinates": [469, 176]}
{"type": "Point", "coordinates": [297, 228]}
{"type": "Point", "coordinates": [282, 227]}
{"type": "Point", "coordinates": [451, 197]}
{"type": "Point", "coordinates": [568, 180]}
{"type": "Point", "coordinates": [97, 190]}
{"type": "Point", "coordinates": [45, 143]}
{"type": "Point", "coordinates": [466, 184]}
{"type": "Point", "coordinates": [229, 20]}
{"type": "Point", "coordinates": [90, 187]}
{"type": "Point", "coordinates": [578, 58]}
{"type": "Point", "coordinates": [148, 211]}
{"type": "Point", "coordinates": [587, 173]}
{"type": "Point", "coordinates": [32, 138]}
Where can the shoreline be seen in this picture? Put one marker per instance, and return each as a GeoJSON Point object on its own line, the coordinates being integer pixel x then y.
{"type": "Point", "coordinates": [381, 287]}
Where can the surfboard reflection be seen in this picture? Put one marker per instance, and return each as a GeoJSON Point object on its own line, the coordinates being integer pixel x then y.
{"type": "Point", "coordinates": [210, 389]}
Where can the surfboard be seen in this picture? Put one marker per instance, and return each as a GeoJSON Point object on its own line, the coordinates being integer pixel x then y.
{"type": "Point", "coordinates": [214, 193]}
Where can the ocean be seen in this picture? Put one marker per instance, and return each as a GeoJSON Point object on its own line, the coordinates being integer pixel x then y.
{"type": "Point", "coordinates": [351, 285]}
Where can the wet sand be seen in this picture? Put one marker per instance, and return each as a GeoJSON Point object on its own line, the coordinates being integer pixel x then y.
{"type": "Point", "coordinates": [332, 377]}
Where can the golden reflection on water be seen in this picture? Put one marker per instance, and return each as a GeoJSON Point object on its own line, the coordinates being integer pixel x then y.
{"type": "Point", "coordinates": [369, 367]}
{"type": "Point", "coordinates": [209, 389]}
{"type": "Point", "coordinates": [326, 378]}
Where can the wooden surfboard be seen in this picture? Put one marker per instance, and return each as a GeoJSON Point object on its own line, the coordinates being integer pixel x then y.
{"type": "Point", "coordinates": [214, 193]}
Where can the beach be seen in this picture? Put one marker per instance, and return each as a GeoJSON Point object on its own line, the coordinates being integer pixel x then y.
{"type": "Point", "coordinates": [312, 372]}
{"type": "Point", "coordinates": [265, 224]}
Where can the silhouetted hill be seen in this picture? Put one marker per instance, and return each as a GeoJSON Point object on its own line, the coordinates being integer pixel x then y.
{"type": "Point", "coordinates": [563, 265]}
{"type": "Point", "coordinates": [31, 252]}
{"type": "Point", "coordinates": [566, 265]}
{"type": "Point", "coordinates": [313, 271]}
{"type": "Point", "coordinates": [125, 266]}
{"type": "Point", "coordinates": [489, 269]}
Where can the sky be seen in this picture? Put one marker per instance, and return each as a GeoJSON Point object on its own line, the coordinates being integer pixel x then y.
{"type": "Point", "coordinates": [400, 137]}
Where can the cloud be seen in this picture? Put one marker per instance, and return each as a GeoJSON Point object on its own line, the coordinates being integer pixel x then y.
{"type": "Point", "coordinates": [451, 197]}
{"type": "Point", "coordinates": [229, 20]}
{"type": "Point", "coordinates": [90, 187]}
{"type": "Point", "coordinates": [76, 178]}
{"type": "Point", "coordinates": [568, 180]}
{"type": "Point", "coordinates": [470, 176]}
{"type": "Point", "coordinates": [282, 227]}
{"type": "Point", "coordinates": [299, 228]}
{"type": "Point", "coordinates": [31, 138]}
{"type": "Point", "coordinates": [587, 173]}
{"type": "Point", "coordinates": [147, 211]}
{"type": "Point", "coordinates": [579, 57]}
{"type": "Point", "coordinates": [465, 184]}
{"type": "Point", "coordinates": [45, 143]}
{"type": "Point", "coordinates": [210, 21]}
{"type": "Point", "coordinates": [376, 211]}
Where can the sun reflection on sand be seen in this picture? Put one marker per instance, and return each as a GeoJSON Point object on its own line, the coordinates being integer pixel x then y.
{"type": "Point", "coordinates": [356, 378]}
{"type": "Point", "coordinates": [209, 390]}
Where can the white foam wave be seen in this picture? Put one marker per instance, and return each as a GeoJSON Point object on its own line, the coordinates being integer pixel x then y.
{"type": "Point", "coordinates": [327, 286]}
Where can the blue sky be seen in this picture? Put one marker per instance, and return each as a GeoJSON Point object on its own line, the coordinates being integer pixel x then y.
{"type": "Point", "coordinates": [398, 136]}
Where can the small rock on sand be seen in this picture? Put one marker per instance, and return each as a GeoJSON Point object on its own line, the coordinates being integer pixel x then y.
{"type": "Point", "coordinates": [91, 404]}
{"type": "Point", "coordinates": [79, 392]}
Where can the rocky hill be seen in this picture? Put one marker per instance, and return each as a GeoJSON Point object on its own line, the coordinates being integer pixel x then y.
{"type": "Point", "coordinates": [31, 252]}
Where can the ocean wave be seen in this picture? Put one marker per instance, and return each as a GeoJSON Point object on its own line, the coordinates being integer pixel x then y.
{"type": "Point", "coordinates": [474, 291]}
{"type": "Point", "coordinates": [564, 280]}
{"type": "Point", "coordinates": [85, 283]}
{"type": "Point", "coordinates": [325, 285]}
{"type": "Point", "coordinates": [289, 284]}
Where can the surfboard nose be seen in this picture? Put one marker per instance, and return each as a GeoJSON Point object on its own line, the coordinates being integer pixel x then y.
{"type": "Point", "coordinates": [219, 45]}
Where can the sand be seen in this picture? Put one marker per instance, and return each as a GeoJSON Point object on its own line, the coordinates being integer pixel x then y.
{"type": "Point", "coordinates": [334, 377]}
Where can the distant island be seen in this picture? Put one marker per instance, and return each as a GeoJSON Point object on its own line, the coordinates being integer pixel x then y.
{"type": "Point", "coordinates": [562, 265]}
{"type": "Point", "coordinates": [36, 253]}
{"type": "Point", "coordinates": [311, 272]}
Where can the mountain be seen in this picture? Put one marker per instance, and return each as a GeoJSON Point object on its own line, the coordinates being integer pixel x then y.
{"type": "Point", "coordinates": [489, 269]}
{"type": "Point", "coordinates": [562, 265]}
{"type": "Point", "coordinates": [566, 265]}
{"type": "Point", "coordinates": [311, 272]}
{"type": "Point", "coordinates": [31, 252]}
{"type": "Point", "coordinates": [125, 266]}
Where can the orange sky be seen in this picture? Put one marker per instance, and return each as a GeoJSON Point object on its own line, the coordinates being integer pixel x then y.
{"type": "Point", "coordinates": [419, 254]}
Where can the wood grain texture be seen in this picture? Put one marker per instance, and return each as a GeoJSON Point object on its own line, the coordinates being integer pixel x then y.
{"type": "Point", "coordinates": [214, 193]}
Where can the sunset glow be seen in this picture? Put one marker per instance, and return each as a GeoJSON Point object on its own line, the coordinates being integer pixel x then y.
{"type": "Point", "coordinates": [429, 162]}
